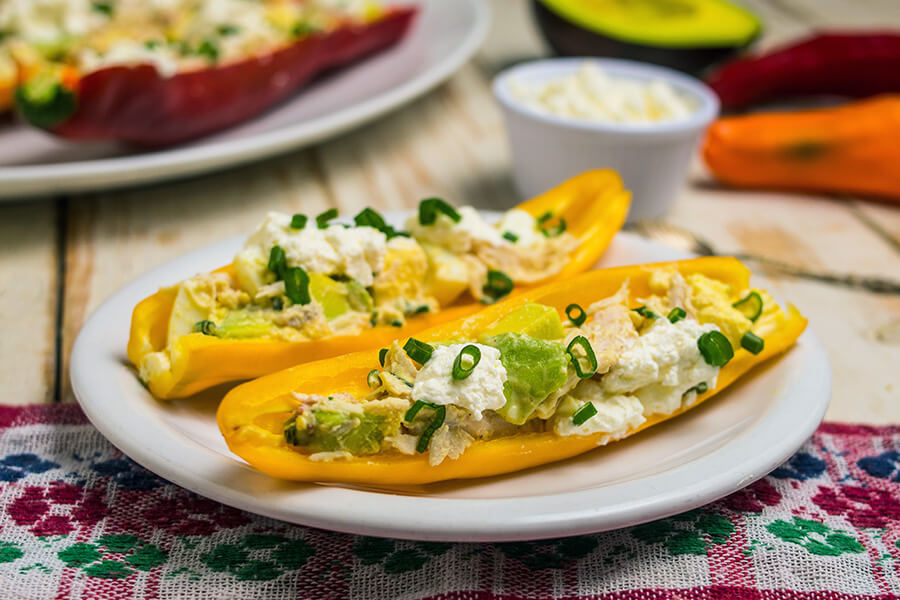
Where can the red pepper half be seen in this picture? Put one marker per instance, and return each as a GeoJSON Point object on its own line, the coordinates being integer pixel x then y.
{"type": "Point", "coordinates": [137, 105]}
{"type": "Point", "coordinates": [845, 64]}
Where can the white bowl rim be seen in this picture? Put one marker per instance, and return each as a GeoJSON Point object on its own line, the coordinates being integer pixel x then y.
{"type": "Point", "coordinates": [707, 110]}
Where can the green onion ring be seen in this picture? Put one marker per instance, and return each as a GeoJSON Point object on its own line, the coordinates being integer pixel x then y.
{"type": "Point", "coordinates": [381, 355]}
{"type": "Point", "coordinates": [715, 348]}
{"type": "Point", "coordinates": [323, 218]}
{"type": "Point", "coordinates": [751, 306]}
{"type": "Point", "coordinates": [583, 414]}
{"type": "Point", "coordinates": [430, 207]}
{"type": "Point", "coordinates": [498, 285]}
{"type": "Point", "coordinates": [676, 314]}
{"type": "Point", "coordinates": [205, 327]}
{"type": "Point", "coordinates": [459, 371]}
{"type": "Point", "coordinates": [580, 316]}
{"type": "Point", "coordinates": [645, 312]}
{"type": "Point", "coordinates": [373, 379]}
{"type": "Point", "coordinates": [440, 412]}
{"type": "Point", "coordinates": [591, 358]}
{"type": "Point", "coordinates": [296, 285]}
{"type": "Point", "coordinates": [418, 351]}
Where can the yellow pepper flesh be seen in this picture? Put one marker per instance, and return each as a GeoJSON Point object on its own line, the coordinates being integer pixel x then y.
{"type": "Point", "coordinates": [251, 416]}
{"type": "Point", "coordinates": [594, 205]}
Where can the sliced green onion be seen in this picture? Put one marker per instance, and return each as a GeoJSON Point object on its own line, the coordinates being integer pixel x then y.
{"type": "Point", "coordinates": [396, 323]}
{"type": "Point", "coordinates": [751, 306]}
{"type": "Point", "coordinates": [545, 217]}
{"type": "Point", "coordinates": [209, 49]}
{"type": "Point", "coordinates": [676, 314]}
{"type": "Point", "coordinates": [103, 7]}
{"type": "Point", "coordinates": [296, 285]}
{"type": "Point", "coordinates": [382, 354]}
{"type": "Point", "coordinates": [205, 327]}
{"type": "Point", "coordinates": [298, 221]}
{"type": "Point", "coordinates": [369, 217]}
{"type": "Point", "coordinates": [555, 230]}
{"type": "Point", "coordinates": [498, 285]}
{"type": "Point", "coordinates": [373, 379]}
{"type": "Point", "coordinates": [576, 314]}
{"type": "Point", "coordinates": [645, 312]}
{"type": "Point", "coordinates": [510, 237]}
{"type": "Point", "coordinates": [583, 414]}
{"type": "Point", "coordinates": [290, 432]}
{"type": "Point", "coordinates": [461, 371]}
{"type": "Point", "coordinates": [373, 318]}
{"type": "Point", "coordinates": [700, 388]}
{"type": "Point", "coordinates": [752, 343]}
{"type": "Point", "coordinates": [421, 309]}
{"type": "Point", "coordinates": [277, 260]}
{"type": "Point", "coordinates": [277, 304]}
{"type": "Point", "coordinates": [418, 351]}
{"type": "Point", "coordinates": [583, 343]}
{"type": "Point", "coordinates": [430, 207]}
{"type": "Point", "coordinates": [440, 412]}
{"type": "Point", "coordinates": [414, 410]}
{"type": "Point", "coordinates": [323, 218]}
{"type": "Point", "coordinates": [715, 348]}
{"type": "Point", "coordinates": [228, 30]}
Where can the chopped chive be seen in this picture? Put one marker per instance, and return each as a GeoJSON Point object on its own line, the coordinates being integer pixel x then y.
{"type": "Point", "coordinates": [373, 379]}
{"type": "Point", "coordinates": [676, 314]}
{"type": "Point", "coordinates": [700, 388]}
{"type": "Point", "coordinates": [440, 412]}
{"type": "Point", "coordinates": [583, 343]}
{"type": "Point", "coordinates": [498, 285]}
{"type": "Point", "coordinates": [373, 318]}
{"type": "Point", "coordinates": [421, 309]}
{"type": "Point", "coordinates": [151, 44]}
{"type": "Point", "coordinates": [471, 354]}
{"type": "Point", "coordinates": [277, 260]}
{"type": "Point", "coordinates": [296, 285]}
{"type": "Point", "coordinates": [430, 207]}
{"type": "Point", "coordinates": [302, 29]}
{"type": "Point", "coordinates": [228, 29]}
{"type": "Point", "coordinates": [752, 343]}
{"type": "Point", "coordinates": [715, 348]}
{"type": "Point", "coordinates": [576, 314]}
{"type": "Point", "coordinates": [323, 218]}
{"type": "Point", "coordinates": [382, 354]}
{"type": "Point", "coordinates": [290, 432]}
{"type": "Point", "coordinates": [418, 351]}
{"type": "Point", "coordinates": [396, 323]}
{"type": "Point", "coordinates": [298, 221]}
{"type": "Point", "coordinates": [208, 49]}
{"type": "Point", "coordinates": [369, 217]}
{"type": "Point", "coordinates": [645, 312]}
{"type": "Point", "coordinates": [277, 304]}
{"type": "Point", "coordinates": [545, 217]}
{"type": "Point", "coordinates": [583, 414]}
{"type": "Point", "coordinates": [510, 236]}
{"type": "Point", "coordinates": [205, 327]}
{"type": "Point", "coordinates": [414, 410]}
{"type": "Point", "coordinates": [103, 7]}
{"type": "Point", "coordinates": [751, 306]}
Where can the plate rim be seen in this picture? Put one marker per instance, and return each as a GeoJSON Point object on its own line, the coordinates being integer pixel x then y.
{"type": "Point", "coordinates": [419, 517]}
{"type": "Point", "coordinates": [22, 182]}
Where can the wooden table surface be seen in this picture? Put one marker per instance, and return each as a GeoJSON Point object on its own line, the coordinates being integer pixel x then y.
{"type": "Point", "coordinates": [61, 257]}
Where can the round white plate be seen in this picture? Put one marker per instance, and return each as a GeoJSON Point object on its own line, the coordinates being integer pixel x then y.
{"type": "Point", "coordinates": [444, 36]}
{"type": "Point", "coordinates": [711, 451]}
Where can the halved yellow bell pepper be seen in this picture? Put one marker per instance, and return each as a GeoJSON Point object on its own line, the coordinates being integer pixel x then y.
{"type": "Point", "coordinates": [251, 416]}
{"type": "Point", "coordinates": [594, 205]}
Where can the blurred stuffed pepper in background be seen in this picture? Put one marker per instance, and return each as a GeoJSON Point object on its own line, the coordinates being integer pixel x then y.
{"type": "Point", "coordinates": [159, 72]}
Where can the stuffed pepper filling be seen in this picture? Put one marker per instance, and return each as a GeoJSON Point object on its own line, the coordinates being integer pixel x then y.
{"type": "Point", "coordinates": [605, 368]}
{"type": "Point", "coordinates": [306, 278]}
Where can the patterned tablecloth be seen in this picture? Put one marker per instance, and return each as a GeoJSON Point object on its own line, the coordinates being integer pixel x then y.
{"type": "Point", "coordinates": [79, 520]}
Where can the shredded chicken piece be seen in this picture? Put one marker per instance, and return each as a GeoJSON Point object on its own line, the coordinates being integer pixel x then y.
{"type": "Point", "coordinates": [215, 289]}
{"type": "Point", "coordinates": [610, 333]}
{"type": "Point", "coordinates": [529, 265]}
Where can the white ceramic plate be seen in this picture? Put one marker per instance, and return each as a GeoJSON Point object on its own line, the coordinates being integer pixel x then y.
{"type": "Point", "coordinates": [444, 36]}
{"type": "Point", "coordinates": [711, 451]}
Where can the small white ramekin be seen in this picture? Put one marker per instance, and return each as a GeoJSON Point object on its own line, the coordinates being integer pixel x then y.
{"type": "Point", "coordinates": [652, 158]}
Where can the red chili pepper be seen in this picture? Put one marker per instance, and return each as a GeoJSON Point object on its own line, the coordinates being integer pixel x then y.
{"type": "Point", "coordinates": [852, 64]}
{"type": "Point", "coordinates": [137, 105]}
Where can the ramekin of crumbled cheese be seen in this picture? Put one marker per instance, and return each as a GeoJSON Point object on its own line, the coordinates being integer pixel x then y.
{"type": "Point", "coordinates": [565, 116]}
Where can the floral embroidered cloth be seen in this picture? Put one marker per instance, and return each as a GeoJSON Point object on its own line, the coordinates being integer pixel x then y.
{"type": "Point", "coordinates": [79, 520]}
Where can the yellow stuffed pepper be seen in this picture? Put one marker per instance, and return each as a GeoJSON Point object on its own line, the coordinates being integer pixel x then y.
{"type": "Point", "coordinates": [303, 289]}
{"type": "Point", "coordinates": [537, 378]}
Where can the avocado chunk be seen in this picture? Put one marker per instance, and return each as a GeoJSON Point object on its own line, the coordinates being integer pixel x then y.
{"type": "Point", "coordinates": [689, 35]}
{"type": "Point", "coordinates": [331, 294]}
{"type": "Point", "coordinates": [534, 369]}
{"type": "Point", "coordinates": [335, 431]}
{"type": "Point", "coordinates": [242, 323]}
{"type": "Point", "coordinates": [534, 320]}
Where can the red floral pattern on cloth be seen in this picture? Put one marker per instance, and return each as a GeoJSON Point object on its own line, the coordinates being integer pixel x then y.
{"type": "Point", "coordinates": [79, 520]}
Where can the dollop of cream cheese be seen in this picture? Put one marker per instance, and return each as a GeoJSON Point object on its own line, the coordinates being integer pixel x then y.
{"type": "Point", "coordinates": [456, 237]}
{"type": "Point", "coordinates": [357, 252]}
{"type": "Point", "coordinates": [662, 365]}
{"type": "Point", "coordinates": [523, 226]}
{"type": "Point", "coordinates": [481, 390]}
{"type": "Point", "coordinates": [616, 415]}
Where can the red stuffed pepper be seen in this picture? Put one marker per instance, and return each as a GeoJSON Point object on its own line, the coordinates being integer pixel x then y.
{"type": "Point", "coordinates": [159, 72]}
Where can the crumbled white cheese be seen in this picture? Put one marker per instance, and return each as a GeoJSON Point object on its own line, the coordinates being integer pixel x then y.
{"type": "Point", "coordinates": [128, 52]}
{"type": "Point", "coordinates": [481, 390]}
{"type": "Point", "coordinates": [591, 94]}
{"type": "Point", "coordinates": [456, 237]}
{"type": "Point", "coordinates": [523, 226]}
{"type": "Point", "coordinates": [616, 415]}
{"type": "Point", "coordinates": [356, 252]}
{"type": "Point", "coordinates": [662, 365]}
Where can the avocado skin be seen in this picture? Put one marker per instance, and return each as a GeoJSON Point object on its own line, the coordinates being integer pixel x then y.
{"type": "Point", "coordinates": [568, 39]}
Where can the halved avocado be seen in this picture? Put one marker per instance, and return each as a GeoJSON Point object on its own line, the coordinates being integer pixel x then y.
{"type": "Point", "coordinates": [688, 35]}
